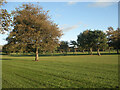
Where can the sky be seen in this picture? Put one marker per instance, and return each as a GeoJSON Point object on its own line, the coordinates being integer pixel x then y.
{"type": "Point", "coordinates": [75, 17]}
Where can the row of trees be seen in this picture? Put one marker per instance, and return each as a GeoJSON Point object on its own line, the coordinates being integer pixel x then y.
{"type": "Point", "coordinates": [97, 40]}
{"type": "Point", "coordinates": [87, 40]}
{"type": "Point", "coordinates": [92, 39]}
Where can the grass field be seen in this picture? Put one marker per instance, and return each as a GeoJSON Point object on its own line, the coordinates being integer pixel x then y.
{"type": "Point", "coordinates": [83, 71]}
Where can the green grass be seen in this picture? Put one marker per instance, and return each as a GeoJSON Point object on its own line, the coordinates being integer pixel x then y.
{"type": "Point", "coordinates": [60, 72]}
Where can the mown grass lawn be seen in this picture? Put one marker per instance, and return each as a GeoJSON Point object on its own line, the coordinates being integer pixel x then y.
{"type": "Point", "coordinates": [60, 72]}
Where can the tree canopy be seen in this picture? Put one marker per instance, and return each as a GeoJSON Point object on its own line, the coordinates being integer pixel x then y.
{"type": "Point", "coordinates": [33, 26]}
{"type": "Point", "coordinates": [63, 46]}
{"type": "Point", "coordinates": [92, 39]}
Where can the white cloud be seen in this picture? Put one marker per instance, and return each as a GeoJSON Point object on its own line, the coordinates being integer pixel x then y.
{"type": "Point", "coordinates": [71, 3]}
{"type": "Point", "coordinates": [70, 28]}
{"type": "Point", "coordinates": [57, 15]}
{"type": "Point", "coordinates": [101, 4]}
{"type": "Point", "coordinates": [66, 27]}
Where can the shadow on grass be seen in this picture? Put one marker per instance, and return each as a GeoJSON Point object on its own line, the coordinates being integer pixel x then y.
{"type": "Point", "coordinates": [109, 54]}
{"type": "Point", "coordinates": [6, 59]}
{"type": "Point", "coordinates": [48, 55]}
{"type": "Point", "coordinates": [31, 55]}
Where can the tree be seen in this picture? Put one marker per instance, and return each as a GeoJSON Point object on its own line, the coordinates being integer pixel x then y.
{"type": "Point", "coordinates": [6, 49]}
{"type": "Point", "coordinates": [100, 40]}
{"type": "Point", "coordinates": [64, 46]}
{"type": "Point", "coordinates": [81, 41]}
{"type": "Point", "coordinates": [85, 40]}
{"type": "Point", "coordinates": [92, 39]}
{"type": "Point", "coordinates": [74, 44]}
{"type": "Point", "coordinates": [33, 26]}
{"type": "Point", "coordinates": [12, 46]}
{"type": "Point", "coordinates": [114, 38]}
{"type": "Point", "coordinates": [109, 33]}
{"type": "Point", "coordinates": [5, 19]}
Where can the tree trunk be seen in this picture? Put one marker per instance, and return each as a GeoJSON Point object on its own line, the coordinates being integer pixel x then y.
{"type": "Point", "coordinates": [66, 52]}
{"type": "Point", "coordinates": [36, 55]}
{"type": "Point", "coordinates": [109, 49]}
{"type": "Point", "coordinates": [103, 50]}
{"type": "Point", "coordinates": [98, 52]}
{"type": "Point", "coordinates": [83, 51]}
{"type": "Point", "coordinates": [73, 50]}
{"type": "Point", "coordinates": [91, 51]}
{"type": "Point", "coordinates": [8, 53]}
{"type": "Point", "coordinates": [88, 51]}
{"type": "Point", "coordinates": [117, 51]}
{"type": "Point", "coordinates": [52, 53]}
{"type": "Point", "coordinates": [69, 49]}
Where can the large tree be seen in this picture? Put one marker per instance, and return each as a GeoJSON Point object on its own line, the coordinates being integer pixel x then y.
{"type": "Point", "coordinates": [33, 26]}
{"type": "Point", "coordinates": [92, 39]}
{"type": "Point", "coordinates": [85, 40]}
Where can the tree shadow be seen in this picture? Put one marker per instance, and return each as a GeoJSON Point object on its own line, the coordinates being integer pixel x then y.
{"type": "Point", "coordinates": [109, 54]}
{"type": "Point", "coordinates": [3, 54]}
{"type": "Point", "coordinates": [5, 59]}
{"type": "Point", "coordinates": [21, 55]}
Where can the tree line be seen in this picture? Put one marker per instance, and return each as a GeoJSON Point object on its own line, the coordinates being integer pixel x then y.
{"type": "Point", "coordinates": [88, 40]}
{"type": "Point", "coordinates": [94, 39]}
{"type": "Point", "coordinates": [34, 31]}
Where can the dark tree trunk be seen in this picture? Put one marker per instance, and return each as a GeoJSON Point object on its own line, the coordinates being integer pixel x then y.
{"type": "Point", "coordinates": [36, 55]}
{"type": "Point", "coordinates": [117, 51]}
{"type": "Point", "coordinates": [109, 49]}
{"type": "Point", "coordinates": [98, 52]}
{"type": "Point", "coordinates": [73, 50]}
{"type": "Point", "coordinates": [88, 51]}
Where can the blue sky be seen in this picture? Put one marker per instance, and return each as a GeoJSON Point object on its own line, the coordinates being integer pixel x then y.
{"type": "Point", "coordinates": [75, 17]}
